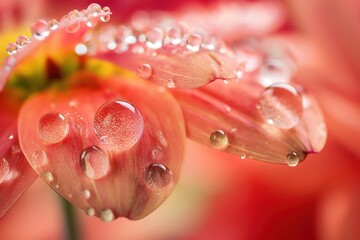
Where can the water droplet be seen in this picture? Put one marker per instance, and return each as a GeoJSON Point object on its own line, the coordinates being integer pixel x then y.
{"type": "Point", "coordinates": [137, 49]}
{"type": "Point", "coordinates": [242, 156]}
{"type": "Point", "coordinates": [11, 48]}
{"type": "Point", "coordinates": [11, 137]}
{"type": "Point", "coordinates": [86, 194]}
{"type": "Point", "coordinates": [228, 109]}
{"type": "Point", "coordinates": [274, 70]}
{"type": "Point", "coordinates": [292, 159]}
{"type": "Point", "coordinates": [94, 10]}
{"type": "Point", "coordinates": [22, 41]}
{"type": "Point", "coordinates": [47, 176]}
{"type": "Point", "coordinates": [193, 43]}
{"type": "Point", "coordinates": [157, 153]}
{"type": "Point", "coordinates": [162, 139]}
{"type": "Point", "coordinates": [53, 128]}
{"type": "Point", "coordinates": [81, 49]}
{"type": "Point", "coordinates": [53, 24]}
{"type": "Point", "coordinates": [158, 176]}
{"type": "Point", "coordinates": [70, 196]}
{"type": "Point", "coordinates": [4, 170]}
{"type": "Point", "coordinates": [144, 71]}
{"type": "Point", "coordinates": [154, 38]}
{"type": "Point", "coordinates": [90, 212]}
{"type": "Point", "coordinates": [71, 21]}
{"type": "Point", "coordinates": [57, 186]}
{"type": "Point", "coordinates": [94, 162]}
{"type": "Point", "coordinates": [107, 215]}
{"type": "Point", "coordinates": [219, 139]}
{"type": "Point", "coordinates": [106, 17]}
{"type": "Point", "coordinates": [210, 43]}
{"type": "Point", "coordinates": [170, 83]}
{"type": "Point", "coordinates": [40, 29]}
{"type": "Point", "coordinates": [281, 105]}
{"type": "Point", "coordinates": [174, 35]}
{"type": "Point", "coordinates": [118, 124]}
{"type": "Point", "coordinates": [39, 159]}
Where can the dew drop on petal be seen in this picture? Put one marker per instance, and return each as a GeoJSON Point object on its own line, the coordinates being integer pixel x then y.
{"type": "Point", "coordinates": [193, 43]}
{"type": "Point", "coordinates": [274, 70]}
{"type": "Point", "coordinates": [86, 194]}
{"type": "Point", "coordinates": [154, 38]}
{"type": "Point", "coordinates": [170, 83]}
{"type": "Point", "coordinates": [292, 159]}
{"type": "Point", "coordinates": [47, 176]}
{"type": "Point", "coordinates": [144, 71]}
{"type": "Point", "coordinates": [4, 170]}
{"type": "Point", "coordinates": [22, 41]}
{"type": "Point", "coordinates": [243, 156]}
{"type": "Point", "coordinates": [157, 153]}
{"type": "Point", "coordinates": [90, 212]}
{"type": "Point", "coordinates": [158, 175]}
{"type": "Point", "coordinates": [53, 127]}
{"type": "Point", "coordinates": [174, 35]}
{"type": "Point", "coordinates": [106, 17]}
{"type": "Point", "coordinates": [53, 24]}
{"type": "Point", "coordinates": [107, 215]}
{"type": "Point", "coordinates": [71, 21]}
{"type": "Point", "coordinates": [219, 139]}
{"type": "Point", "coordinates": [281, 105]}
{"type": "Point", "coordinates": [40, 29]}
{"type": "Point", "coordinates": [118, 125]}
{"type": "Point", "coordinates": [94, 162]}
{"type": "Point", "coordinates": [39, 159]}
{"type": "Point", "coordinates": [94, 10]}
{"type": "Point", "coordinates": [11, 48]}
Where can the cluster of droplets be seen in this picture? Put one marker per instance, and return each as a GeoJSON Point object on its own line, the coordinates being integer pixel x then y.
{"type": "Point", "coordinates": [41, 29]}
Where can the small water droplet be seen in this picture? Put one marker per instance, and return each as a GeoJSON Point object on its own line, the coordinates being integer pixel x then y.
{"type": "Point", "coordinates": [158, 176]}
{"type": "Point", "coordinates": [11, 137]}
{"type": "Point", "coordinates": [90, 212]}
{"type": "Point", "coordinates": [228, 109]}
{"type": "Point", "coordinates": [53, 24]}
{"type": "Point", "coordinates": [144, 71]}
{"type": "Point", "coordinates": [94, 162]}
{"type": "Point", "coordinates": [57, 186]}
{"type": "Point", "coordinates": [81, 49]}
{"type": "Point", "coordinates": [170, 83]}
{"type": "Point", "coordinates": [157, 153]}
{"type": "Point", "coordinates": [4, 170]}
{"type": "Point", "coordinates": [40, 29]}
{"type": "Point", "coordinates": [193, 42]}
{"type": "Point", "coordinates": [210, 43]}
{"type": "Point", "coordinates": [53, 127]}
{"type": "Point", "coordinates": [118, 124]}
{"type": "Point", "coordinates": [22, 41]}
{"type": "Point", "coordinates": [219, 139]}
{"type": "Point", "coordinates": [106, 17]}
{"type": "Point", "coordinates": [70, 196]}
{"type": "Point", "coordinates": [274, 70]}
{"type": "Point", "coordinates": [154, 38]}
{"type": "Point", "coordinates": [137, 49]}
{"type": "Point", "coordinates": [281, 105]}
{"type": "Point", "coordinates": [107, 215]}
{"type": "Point", "coordinates": [174, 35]}
{"type": "Point", "coordinates": [242, 156]}
{"type": "Point", "coordinates": [162, 139]}
{"type": "Point", "coordinates": [39, 159]}
{"type": "Point", "coordinates": [94, 10]}
{"type": "Point", "coordinates": [86, 194]}
{"type": "Point", "coordinates": [11, 48]}
{"type": "Point", "coordinates": [292, 159]}
{"type": "Point", "coordinates": [71, 21]}
{"type": "Point", "coordinates": [47, 176]}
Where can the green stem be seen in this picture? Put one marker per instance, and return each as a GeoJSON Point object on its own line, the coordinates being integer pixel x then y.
{"type": "Point", "coordinates": [70, 222]}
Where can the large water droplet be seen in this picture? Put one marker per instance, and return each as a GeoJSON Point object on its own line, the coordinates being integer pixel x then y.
{"type": "Point", "coordinates": [11, 48]}
{"type": "Point", "coordinates": [90, 212]}
{"type": "Point", "coordinates": [47, 176]}
{"type": "Point", "coordinates": [158, 176]}
{"type": "Point", "coordinates": [193, 43]}
{"type": "Point", "coordinates": [94, 162]}
{"type": "Point", "coordinates": [4, 170]}
{"type": "Point", "coordinates": [281, 105]}
{"type": "Point", "coordinates": [219, 139]}
{"type": "Point", "coordinates": [22, 41]}
{"type": "Point", "coordinates": [107, 215]}
{"type": "Point", "coordinates": [40, 29]}
{"type": "Point", "coordinates": [53, 128]}
{"type": "Point", "coordinates": [39, 159]}
{"type": "Point", "coordinates": [154, 38]}
{"type": "Point", "coordinates": [118, 124]}
{"type": "Point", "coordinates": [144, 71]}
{"type": "Point", "coordinates": [292, 159]}
{"type": "Point", "coordinates": [86, 194]}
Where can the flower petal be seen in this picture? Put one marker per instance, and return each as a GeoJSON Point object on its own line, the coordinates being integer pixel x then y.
{"type": "Point", "coordinates": [113, 149]}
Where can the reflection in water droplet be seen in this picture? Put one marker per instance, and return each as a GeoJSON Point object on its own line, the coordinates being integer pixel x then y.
{"type": "Point", "coordinates": [39, 159]}
{"type": "Point", "coordinates": [144, 71]}
{"type": "Point", "coordinates": [158, 176]}
{"type": "Point", "coordinates": [94, 162]}
{"type": "Point", "coordinates": [22, 41]}
{"type": "Point", "coordinates": [292, 159]}
{"type": "Point", "coordinates": [107, 215]}
{"type": "Point", "coordinates": [4, 170]}
{"type": "Point", "coordinates": [53, 128]}
{"type": "Point", "coordinates": [11, 48]}
{"type": "Point", "coordinates": [118, 124]}
{"type": "Point", "coordinates": [47, 176]}
{"type": "Point", "coordinates": [193, 43]}
{"type": "Point", "coordinates": [281, 105]}
{"type": "Point", "coordinates": [86, 194]}
{"type": "Point", "coordinates": [90, 212]}
{"type": "Point", "coordinates": [40, 29]}
{"type": "Point", "coordinates": [219, 140]}
{"type": "Point", "coordinates": [154, 38]}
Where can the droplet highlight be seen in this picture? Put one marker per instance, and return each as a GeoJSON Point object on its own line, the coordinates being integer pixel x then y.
{"type": "Point", "coordinates": [94, 162]}
{"type": "Point", "coordinates": [53, 128]}
{"type": "Point", "coordinates": [193, 43]}
{"type": "Point", "coordinates": [158, 176]}
{"type": "Point", "coordinates": [219, 140]}
{"type": "Point", "coordinates": [154, 38]}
